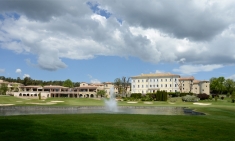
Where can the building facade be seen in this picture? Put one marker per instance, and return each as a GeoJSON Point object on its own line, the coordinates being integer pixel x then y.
{"type": "Point", "coordinates": [150, 83]}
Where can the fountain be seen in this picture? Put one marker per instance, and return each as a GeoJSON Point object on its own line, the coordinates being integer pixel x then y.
{"type": "Point", "coordinates": [111, 104]}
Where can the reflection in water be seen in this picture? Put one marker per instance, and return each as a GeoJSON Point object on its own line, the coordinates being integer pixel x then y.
{"type": "Point", "coordinates": [34, 110]}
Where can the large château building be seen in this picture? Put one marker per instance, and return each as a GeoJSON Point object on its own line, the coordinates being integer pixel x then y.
{"type": "Point", "coordinates": [149, 83]}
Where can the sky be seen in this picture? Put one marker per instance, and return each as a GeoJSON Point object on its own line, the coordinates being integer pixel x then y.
{"type": "Point", "coordinates": [101, 40]}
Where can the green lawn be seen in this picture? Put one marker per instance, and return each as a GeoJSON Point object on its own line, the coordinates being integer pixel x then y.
{"type": "Point", "coordinates": [218, 124]}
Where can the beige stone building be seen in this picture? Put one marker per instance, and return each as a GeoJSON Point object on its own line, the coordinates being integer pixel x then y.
{"type": "Point", "coordinates": [149, 83]}
{"type": "Point", "coordinates": [85, 90]}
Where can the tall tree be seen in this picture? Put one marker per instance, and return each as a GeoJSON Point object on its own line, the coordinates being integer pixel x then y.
{"type": "Point", "coordinates": [229, 85]}
{"type": "Point", "coordinates": [118, 84]}
{"type": "Point", "coordinates": [125, 84]}
{"type": "Point", "coordinates": [68, 83]}
{"type": "Point", "coordinates": [3, 89]}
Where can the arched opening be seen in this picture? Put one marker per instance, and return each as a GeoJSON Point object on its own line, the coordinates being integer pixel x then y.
{"type": "Point", "coordinates": [80, 95]}
{"type": "Point", "coordinates": [87, 95]}
{"type": "Point", "coordinates": [35, 94]}
{"type": "Point", "coordinates": [27, 94]}
{"type": "Point", "coordinates": [92, 95]}
{"type": "Point", "coordinates": [24, 94]}
{"type": "Point", "coordinates": [20, 94]}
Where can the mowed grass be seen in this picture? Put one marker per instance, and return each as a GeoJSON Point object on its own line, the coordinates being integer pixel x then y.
{"type": "Point", "coordinates": [218, 124]}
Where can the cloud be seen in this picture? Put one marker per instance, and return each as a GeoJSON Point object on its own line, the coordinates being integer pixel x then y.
{"type": "Point", "coordinates": [193, 69]}
{"type": "Point", "coordinates": [2, 70]}
{"type": "Point", "coordinates": [231, 77]}
{"type": "Point", "coordinates": [197, 31]}
{"type": "Point", "coordinates": [160, 71]}
{"type": "Point", "coordinates": [18, 71]}
{"type": "Point", "coordinates": [26, 75]}
{"type": "Point", "coordinates": [95, 81]}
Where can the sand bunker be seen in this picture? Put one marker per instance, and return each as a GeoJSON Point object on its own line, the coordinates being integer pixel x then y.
{"type": "Point", "coordinates": [18, 101]}
{"type": "Point", "coordinates": [148, 102]}
{"type": "Point", "coordinates": [48, 103]}
{"type": "Point", "coordinates": [57, 101]}
{"type": "Point", "coordinates": [171, 103]}
{"type": "Point", "coordinates": [132, 102]}
{"type": "Point", "coordinates": [6, 104]}
{"type": "Point", "coordinates": [202, 103]}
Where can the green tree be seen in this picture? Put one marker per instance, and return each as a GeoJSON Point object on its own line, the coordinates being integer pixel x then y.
{"type": "Point", "coordinates": [229, 85]}
{"type": "Point", "coordinates": [3, 89]}
{"type": "Point", "coordinates": [217, 85]}
{"type": "Point", "coordinates": [101, 93]}
{"type": "Point", "coordinates": [68, 83]}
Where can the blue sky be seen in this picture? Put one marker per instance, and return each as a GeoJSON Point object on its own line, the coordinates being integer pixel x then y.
{"type": "Point", "coordinates": [98, 41]}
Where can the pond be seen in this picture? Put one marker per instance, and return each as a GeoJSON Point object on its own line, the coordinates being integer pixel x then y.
{"type": "Point", "coordinates": [145, 110]}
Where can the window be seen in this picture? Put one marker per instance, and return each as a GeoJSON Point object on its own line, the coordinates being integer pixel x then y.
{"type": "Point", "coordinates": [138, 86]}
{"type": "Point", "coordinates": [133, 80]}
{"type": "Point", "coordinates": [166, 85]}
{"type": "Point", "coordinates": [146, 86]}
{"type": "Point", "coordinates": [170, 85]}
{"type": "Point", "coordinates": [166, 80]}
{"type": "Point", "coordinates": [133, 86]}
{"type": "Point", "coordinates": [161, 85]}
{"type": "Point", "coordinates": [175, 79]}
{"type": "Point", "coordinates": [175, 85]}
{"type": "Point", "coordinates": [161, 80]}
{"type": "Point", "coordinates": [157, 85]}
{"type": "Point", "coordinates": [170, 79]}
{"type": "Point", "coordinates": [142, 86]}
{"type": "Point", "coordinates": [157, 79]}
{"type": "Point", "coordinates": [150, 80]}
{"type": "Point", "coordinates": [150, 86]}
{"type": "Point", "coordinates": [183, 88]}
{"type": "Point", "coordinates": [138, 80]}
{"type": "Point", "coordinates": [142, 80]}
{"type": "Point", "coordinates": [153, 85]}
{"type": "Point", "coordinates": [146, 80]}
{"type": "Point", "coordinates": [153, 80]}
{"type": "Point", "coordinates": [183, 84]}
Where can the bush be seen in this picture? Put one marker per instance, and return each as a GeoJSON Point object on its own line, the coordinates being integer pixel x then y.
{"type": "Point", "coordinates": [136, 95]}
{"type": "Point", "coordinates": [222, 97]}
{"type": "Point", "coordinates": [184, 94]}
{"type": "Point", "coordinates": [189, 98]}
{"type": "Point", "coordinates": [172, 94]}
{"type": "Point", "coordinates": [203, 96]}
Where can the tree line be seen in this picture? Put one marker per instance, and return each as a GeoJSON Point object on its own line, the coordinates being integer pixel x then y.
{"type": "Point", "coordinates": [29, 81]}
{"type": "Point", "coordinates": [220, 85]}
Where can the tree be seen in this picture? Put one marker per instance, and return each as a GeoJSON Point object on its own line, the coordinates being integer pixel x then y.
{"type": "Point", "coordinates": [217, 85]}
{"type": "Point", "coordinates": [125, 84]}
{"type": "Point", "coordinates": [3, 89]}
{"type": "Point", "coordinates": [101, 93]}
{"type": "Point", "coordinates": [229, 85]}
{"type": "Point", "coordinates": [118, 84]}
{"type": "Point", "coordinates": [68, 83]}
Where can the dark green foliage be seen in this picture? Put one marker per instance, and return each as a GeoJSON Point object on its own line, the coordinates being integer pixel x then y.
{"type": "Point", "coordinates": [68, 83]}
{"type": "Point", "coordinates": [161, 96]}
{"type": "Point", "coordinates": [28, 81]}
{"type": "Point", "coordinates": [172, 94]}
{"type": "Point", "coordinates": [136, 95]}
{"type": "Point", "coordinates": [203, 96]}
{"type": "Point", "coordinates": [3, 89]}
{"type": "Point", "coordinates": [184, 94]}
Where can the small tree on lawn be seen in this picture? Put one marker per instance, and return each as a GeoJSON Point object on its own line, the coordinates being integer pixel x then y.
{"type": "Point", "coordinates": [101, 93]}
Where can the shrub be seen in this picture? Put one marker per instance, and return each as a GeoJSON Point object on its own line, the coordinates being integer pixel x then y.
{"type": "Point", "coordinates": [136, 95]}
{"type": "Point", "coordinates": [222, 97]}
{"type": "Point", "coordinates": [172, 94]}
{"type": "Point", "coordinates": [203, 96]}
{"type": "Point", "coordinates": [189, 98]}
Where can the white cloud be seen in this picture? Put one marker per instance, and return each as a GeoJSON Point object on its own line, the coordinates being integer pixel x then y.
{"type": "Point", "coordinates": [18, 71]}
{"type": "Point", "coordinates": [160, 71]}
{"type": "Point", "coordinates": [26, 75]}
{"type": "Point", "coordinates": [95, 81]}
{"type": "Point", "coordinates": [2, 70]}
{"type": "Point", "coordinates": [231, 77]}
{"type": "Point", "coordinates": [193, 69]}
{"type": "Point", "coordinates": [198, 32]}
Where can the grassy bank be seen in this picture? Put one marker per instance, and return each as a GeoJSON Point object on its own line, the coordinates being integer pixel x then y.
{"type": "Point", "coordinates": [218, 124]}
